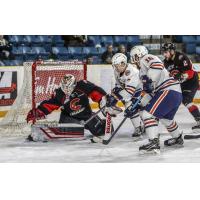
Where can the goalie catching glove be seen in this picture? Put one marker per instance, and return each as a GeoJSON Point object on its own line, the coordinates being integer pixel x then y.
{"type": "Point", "coordinates": [109, 102]}
{"type": "Point", "coordinates": [35, 114]}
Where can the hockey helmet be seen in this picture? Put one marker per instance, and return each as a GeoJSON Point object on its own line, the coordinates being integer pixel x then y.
{"type": "Point", "coordinates": [168, 46]}
{"type": "Point", "coordinates": [119, 62]}
{"type": "Point", "coordinates": [138, 52]}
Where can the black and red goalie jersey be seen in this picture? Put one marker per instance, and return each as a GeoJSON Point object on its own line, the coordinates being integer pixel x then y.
{"type": "Point", "coordinates": [76, 105]}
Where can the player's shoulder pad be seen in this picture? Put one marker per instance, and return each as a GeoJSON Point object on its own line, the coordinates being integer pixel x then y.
{"type": "Point", "coordinates": [131, 70]}
{"type": "Point", "coordinates": [83, 83]}
{"type": "Point", "coordinates": [181, 56]}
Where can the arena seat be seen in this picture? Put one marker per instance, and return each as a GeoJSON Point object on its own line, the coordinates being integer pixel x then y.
{"type": "Point", "coordinates": [45, 39]}
{"type": "Point", "coordinates": [189, 39]}
{"type": "Point", "coordinates": [198, 39]}
{"type": "Point", "coordinates": [75, 51]}
{"type": "Point", "coordinates": [106, 40]}
{"type": "Point", "coordinates": [120, 40]}
{"type": "Point", "coordinates": [60, 51]}
{"type": "Point", "coordinates": [57, 41]}
{"type": "Point", "coordinates": [90, 51]}
{"type": "Point", "coordinates": [29, 39]}
{"type": "Point", "coordinates": [133, 39]}
{"type": "Point", "coordinates": [93, 40]}
{"type": "Point", "coordinates": [198, 50]}
{"type": "Point", "coordinates": [190, 48]}
{"type": "Point", "coordinates": [2, 63]}
{"type": "Point", "coordinates": [13, 62]}
{"type": "Point", "coordinates": [15, 39]}
{"type": "Point", "coordinates": [178, 38]}
{"type": "Point", "coordinates": [63, 57]}
{"type": "Point", "coordinates": [40, 50]}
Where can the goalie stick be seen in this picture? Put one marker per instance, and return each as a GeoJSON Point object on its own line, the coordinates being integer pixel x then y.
{"type": "Point", "coordinates": [107, 140]}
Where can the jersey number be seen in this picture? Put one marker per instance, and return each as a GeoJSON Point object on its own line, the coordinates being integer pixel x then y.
{"type": "Point", "coordinates": [148, 59]}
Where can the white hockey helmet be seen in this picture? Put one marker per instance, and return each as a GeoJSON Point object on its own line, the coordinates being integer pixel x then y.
{"type": "Point", "coordinates": [68, 83]}
{"type": "Point", "coordinates": [119, 62]}
{"type": "Point", "coordinates": [137, 52]}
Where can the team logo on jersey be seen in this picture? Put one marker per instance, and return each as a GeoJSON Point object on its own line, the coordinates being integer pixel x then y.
{"type": "Point", "coordinates": [185, 63]}
{"type": "Point", "coordinates": [127, 72]}
{"type": "Point", "coordinates": [74, 104]}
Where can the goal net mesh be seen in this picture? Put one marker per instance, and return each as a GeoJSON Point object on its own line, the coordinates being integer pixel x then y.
{"type": "Point", "coordinates": [40, 80]}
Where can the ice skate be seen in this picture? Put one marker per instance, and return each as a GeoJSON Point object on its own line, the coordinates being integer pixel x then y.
{"type": "Point", "coordinates": [137, 135]}
{"type": "Point", "coordinates": [152, 147]}
{"type": "Point", "coordinates": [178, 141]}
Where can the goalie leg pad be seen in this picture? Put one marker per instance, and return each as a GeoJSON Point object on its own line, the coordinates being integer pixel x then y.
{"type": "Point", "coordinates": [61, 131]}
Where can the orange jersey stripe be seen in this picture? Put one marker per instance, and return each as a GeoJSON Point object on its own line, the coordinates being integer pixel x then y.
{"type": "Point", "coordinates": [158, 102]}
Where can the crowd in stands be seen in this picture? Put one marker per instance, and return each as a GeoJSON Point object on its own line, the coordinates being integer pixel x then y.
{"type": "Point", "coordinates": [93, 49]}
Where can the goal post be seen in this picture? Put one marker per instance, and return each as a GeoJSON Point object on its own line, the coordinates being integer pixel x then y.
{"type": "Point", "coordinates": [41, 78]}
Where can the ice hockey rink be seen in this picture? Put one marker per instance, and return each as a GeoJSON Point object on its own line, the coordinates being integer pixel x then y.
{"type": "Point", "coordinates": [122, 149]}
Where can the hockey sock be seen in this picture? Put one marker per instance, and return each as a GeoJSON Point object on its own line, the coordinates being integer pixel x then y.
{"type": "Point", "coordinates": [193, 109]}
{"type": "Point", "coordinates": [173, 129]}
{"type": "Point", "coordinates": [136, 120]}
{"type": "Point", "coordinates": [151, 128]}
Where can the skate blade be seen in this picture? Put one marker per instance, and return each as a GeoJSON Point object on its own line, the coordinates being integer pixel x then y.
{"type": "Point", "coordinates": [176, 146]}
{"type": "Point", "coordinates": [196, 130]}
{"type": "Point", "coordinates": [152, 152]}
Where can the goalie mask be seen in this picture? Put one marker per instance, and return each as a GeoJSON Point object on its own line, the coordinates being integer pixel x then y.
{"type": "Point", "coordinates": [137, 52]}
{"type": "Point", "coordinates": [119, 62]}
{"type": "Point", "coordinates": [68, 83]}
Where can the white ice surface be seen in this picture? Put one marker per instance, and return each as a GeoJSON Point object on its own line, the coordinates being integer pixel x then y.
{"type": "Point", "coordinates": [121, 149]}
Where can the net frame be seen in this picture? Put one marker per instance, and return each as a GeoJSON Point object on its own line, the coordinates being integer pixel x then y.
{"type": "Point", "coordinates": [14, 121]}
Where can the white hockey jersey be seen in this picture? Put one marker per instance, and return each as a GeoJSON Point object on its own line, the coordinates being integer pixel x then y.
{"type": "Point", "coordinates": [153, 68]}
{"type": "Point", "coordinates": [129, 81]}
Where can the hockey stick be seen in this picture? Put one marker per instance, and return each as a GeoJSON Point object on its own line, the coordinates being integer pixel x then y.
{"type": "Point", "coordinates": [190, 137]}
{"type": "Point", "coordinates": [105, 142]}
{"type": "Point", "coordinates": [114, 133]}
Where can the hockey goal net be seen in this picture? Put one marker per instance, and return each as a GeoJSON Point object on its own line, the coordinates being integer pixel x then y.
{"type": "Point", "coordinates": [41, 78]}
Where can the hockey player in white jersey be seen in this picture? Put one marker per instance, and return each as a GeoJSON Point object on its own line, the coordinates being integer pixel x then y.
{"type": "Point", "coordinates": [161, 100]}
{"type": "Point", "coordinates": [127, 87]}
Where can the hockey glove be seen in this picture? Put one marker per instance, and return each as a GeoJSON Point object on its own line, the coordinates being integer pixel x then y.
{"type": "Point", "coordinates": [35, 114]}
{"type": "Point", "coordinates": [116, 91]}
{"type": "Point", "coordinates": [147, 84]}
{"type": "Point", "coordinates": [110, 105]}
{"type": "Point", "coordinates": [132, 109]}
{"type": "Point", "coordinates": [111, 100]}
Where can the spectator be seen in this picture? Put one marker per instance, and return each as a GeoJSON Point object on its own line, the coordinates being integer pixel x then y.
{"type": "Point", "coordinates": [122, 49]}
{"type": "Point", "coordinates": [107, 55]}
{"type": "Point", "coordinates": [5, 48]}
{"type": "Point", "coordinates": [89, 60]}
{"type": "Point", "coordinates": [74, 40]}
